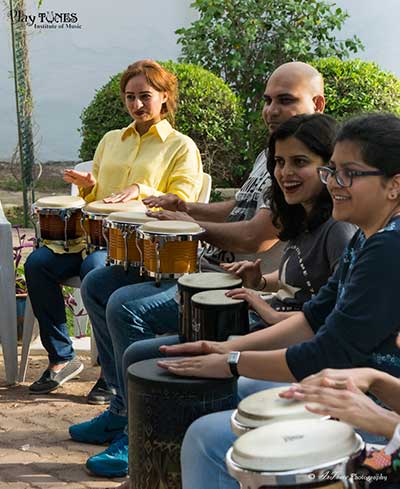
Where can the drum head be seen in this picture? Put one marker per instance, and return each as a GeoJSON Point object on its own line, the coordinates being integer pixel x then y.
{"type": "Point", "coordinates": [214, 298]}
{"type": "Point", "coordinates": [130, 217]}
{"type": "Point", "coordinates": [172, 227]}
{"type": "Point", "coordinates": [60, 202]}
{"type": "Point", "coordinates": [100, 207]}
{"type": "Point", "coordinates": [291, 445]}
{"type": "Point", "coordinates": [266, 406]}
{"type": "Point", "coordinates": [209, 280]}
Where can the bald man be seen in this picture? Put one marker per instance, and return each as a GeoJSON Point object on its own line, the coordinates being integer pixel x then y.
{"type": "Point", "coordinates": [125, 311]}
{"type": "Point", "coordinates": [247, 231]}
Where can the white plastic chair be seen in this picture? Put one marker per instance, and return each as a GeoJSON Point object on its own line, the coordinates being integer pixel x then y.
{"type": "Point", "coordinates": [8, 307]}
{"type": "Point", "coordinates": [205, 192]}
{"type": "Point", "coordinates": [80, 323]}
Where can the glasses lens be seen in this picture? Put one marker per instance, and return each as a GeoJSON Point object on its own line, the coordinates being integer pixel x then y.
{"type": "Point", "coordinates": [323, 175]}
{"type": "Point", "coordinates": [343, 178]}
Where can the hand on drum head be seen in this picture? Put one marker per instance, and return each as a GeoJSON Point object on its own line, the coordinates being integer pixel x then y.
{"type": "Point", "coordinates": [82, 179]}
{"type": "Point", "coordinates": [169, 202]}
{"type": "Point", "coordinates": [255, 302]}
{"type": "Point", "coordinates": [348, 404]}
{"type": "Point", "coordinates": [130, 193]}
{"type": "Point", "coordinates": [170, 216]}
{"type": "Point", "coordinates": [363, 378]}
{"type": "Point", "coordinates": [248, 271]}
{"type": "Point", "coordinates": [214, 366]}
{"type": "Point", "coordinates": [195, 348]}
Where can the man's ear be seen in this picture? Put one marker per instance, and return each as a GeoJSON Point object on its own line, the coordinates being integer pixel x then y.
{"type": "Point", "coordinates": [319, 103]}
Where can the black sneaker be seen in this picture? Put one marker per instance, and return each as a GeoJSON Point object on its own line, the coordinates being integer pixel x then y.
{"type": "Point", "coordinates": [50, 380]}
{"type": "Point", "coordinates": [100, 393]}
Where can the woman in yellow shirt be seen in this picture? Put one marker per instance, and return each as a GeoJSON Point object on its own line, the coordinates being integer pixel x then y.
{"type": "Point", "coordinates": [148, 157]}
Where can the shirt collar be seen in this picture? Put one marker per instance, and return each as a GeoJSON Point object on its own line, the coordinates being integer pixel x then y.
{"type": "Point", "coordinates": [163, 129]}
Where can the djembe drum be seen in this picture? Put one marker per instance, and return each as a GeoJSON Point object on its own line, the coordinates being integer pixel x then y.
{"type": "Point", "coordinates": [266, 407]}
{"type": "Point", "coordinates": [215, 316]}
{"type": "Point", "coordinates": [190, 284]}
{"type": "Point", "coordinates": [302, 454]}
{"type": "Point", "coordinates": [161, 408]}
{"type": "Point", "coordinates": [93, 215]}
{"type": "Point", "coordinates": [59, 218]}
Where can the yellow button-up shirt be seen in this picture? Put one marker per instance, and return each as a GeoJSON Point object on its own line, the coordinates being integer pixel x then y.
{"type": "Point", "coordinates": [161, 160]}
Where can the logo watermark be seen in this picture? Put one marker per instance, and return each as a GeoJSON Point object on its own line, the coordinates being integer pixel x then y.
{"type": "Point", "coordinates": [335, 476]}
{"type": "Point", "coordinates": [46, 20]}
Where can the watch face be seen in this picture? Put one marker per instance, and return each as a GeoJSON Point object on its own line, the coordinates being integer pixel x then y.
{"type": "Point", "coordinates": [233, 357]}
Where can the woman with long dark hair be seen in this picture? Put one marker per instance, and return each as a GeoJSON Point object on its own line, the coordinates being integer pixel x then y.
{"type": "Point", "coordinates": [301, 209]}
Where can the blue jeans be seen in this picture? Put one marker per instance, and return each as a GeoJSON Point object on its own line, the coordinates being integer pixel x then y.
{"type": "Point", "coordinates": [124, 309]}
{"type": "Point", "coordinates": [44, 271]}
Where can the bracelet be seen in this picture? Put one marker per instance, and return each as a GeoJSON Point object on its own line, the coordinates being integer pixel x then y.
{"type": "Point", "coordinates": [264, 284]}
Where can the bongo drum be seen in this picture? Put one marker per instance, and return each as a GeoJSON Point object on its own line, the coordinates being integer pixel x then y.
{"type": "Point", "coordinates": [170, 248]}
{"type": "Point", "coordinates": [124, 248]}
{"type": "Point", "coordinates": [266, 407]}
{"type": "Point", "coordinates": [216, 317]}
{"type": "Point", "coordinates": [303, 454]}
{"type": "Point", "coordinates": [161, 406]}
{"type": "Point", "coordinates": [191, 284]}
{"type": "Point", "coordinates": [93, 215]}
{"type": "Point", "coordinates": [59, 219]}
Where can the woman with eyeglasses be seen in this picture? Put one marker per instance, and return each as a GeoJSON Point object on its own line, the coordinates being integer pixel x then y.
{"type": "Point", "coordinates": [353, 320]}
{"type": "Point", "coordinates": [302, 211]}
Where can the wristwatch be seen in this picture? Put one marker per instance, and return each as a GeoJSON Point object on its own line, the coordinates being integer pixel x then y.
{"type": "Point", "coordinates": [233, 360]}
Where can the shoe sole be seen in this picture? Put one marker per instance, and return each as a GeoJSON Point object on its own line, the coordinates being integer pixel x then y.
{"type": "Point", "coordinates": [66, 379]}
{"type": "Point", "coordinates": [97, 403]}
{"type": "Point", "coordinates": [108, 475]}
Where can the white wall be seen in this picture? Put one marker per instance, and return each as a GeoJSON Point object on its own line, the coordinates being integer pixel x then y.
{"type": "Point", "coordinates": [376, 23]}
{"type": "Point", "coordinates": [67, 66]}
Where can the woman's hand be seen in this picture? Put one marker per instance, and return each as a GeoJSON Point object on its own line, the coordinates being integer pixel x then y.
{"type": "Point", "coordinates": [248, 271]}
{"type": "Point", "coordinates": [363, 378]}
{"type": "Point", "coordinates": [169, 202]}
{"type": "Point", "coordinates": [170, 216]}
{"type": "Point", "coordinates": [83, 179]}
{"type": "Point", "coordinates": [348, 404]}
{"type": "Point", "coordinates": [130, 193]}
{"type": "Point", "coordinates": [210, 366]}
{"type": "Point", "coordinates": [262, 308]}
{"type": "Point", "coordinates": [195, 348]}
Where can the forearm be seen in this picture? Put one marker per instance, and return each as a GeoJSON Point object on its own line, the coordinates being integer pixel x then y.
{"type": "Point", "coordinates": [241, 236]}
{"type": "Point", "coordinates": [271, 281]}
{"type": "Point", "coordinates": [387, 389]}
{"type": "Point", "coordinates": [292, 330]}
{"type": "Point", "coordinates": [269, 365]}
{"type": "Point", "coordinates": [385, 424]}
{"type": "Point", "coordinates": [274, 317]}
{"type": "Point", "coordinates": [214, 212]}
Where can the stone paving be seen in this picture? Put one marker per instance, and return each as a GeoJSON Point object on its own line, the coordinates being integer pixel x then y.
{"type": "Point", "coordinates": [35, 449]}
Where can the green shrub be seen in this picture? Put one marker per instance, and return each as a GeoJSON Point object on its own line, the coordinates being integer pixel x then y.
{"type": "Point", "coordinates": [208, 111]}
{"type": "Point", "coordinates": [356, 86]}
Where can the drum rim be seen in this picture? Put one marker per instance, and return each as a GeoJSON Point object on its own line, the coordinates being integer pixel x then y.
{"type": "Point", "coordinates": [54, 210]}
{"type": "Point", "coordinates": [297, 476]}
{"type": "Point", "coordinates": [186, 236]}
{"type": "Point", "coordinates": [110, 224]}
{"type": "Point", "coordinates": [95, 216]}
{"type": "Point", "coordinates": [114, 261]}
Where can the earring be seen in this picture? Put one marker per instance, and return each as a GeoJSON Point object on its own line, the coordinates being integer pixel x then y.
{"type": "Point", "coordinates": [393, 195]}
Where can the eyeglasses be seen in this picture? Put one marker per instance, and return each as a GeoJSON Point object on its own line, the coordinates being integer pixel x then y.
{"type": "Point", "coordinates": [344, 178]}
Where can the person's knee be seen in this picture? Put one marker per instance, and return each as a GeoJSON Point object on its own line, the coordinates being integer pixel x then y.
{"type": "Point", "coordinates": [37, 261]}
{"type": "Point", "coordinates": [91, 283]}
{"type": "Point", "coordinates": [91, 262]}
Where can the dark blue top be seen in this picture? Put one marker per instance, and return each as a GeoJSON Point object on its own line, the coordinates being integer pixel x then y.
{"type": "Point", "coordinates": [356, 315]}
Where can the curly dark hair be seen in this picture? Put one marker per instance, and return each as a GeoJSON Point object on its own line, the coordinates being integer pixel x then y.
{"type": "Point", "coordinates": [318, 133]}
